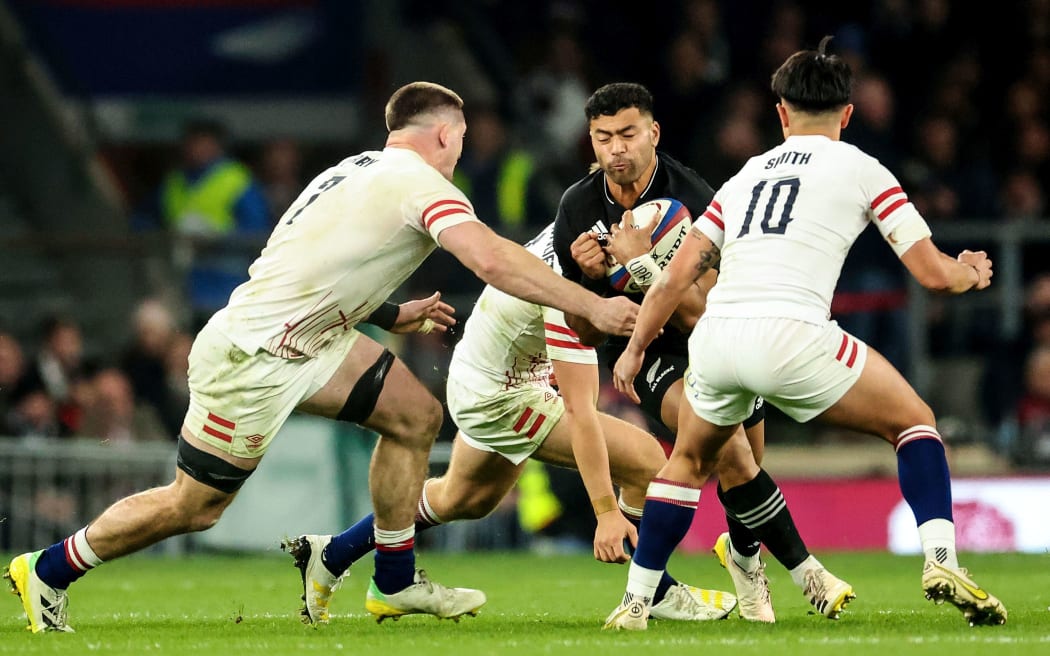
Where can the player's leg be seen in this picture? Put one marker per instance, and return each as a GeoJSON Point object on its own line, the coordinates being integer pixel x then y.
{"type": "Point", "coordinates": [211, 468]}
{"type": "Point", "coordinates": [473, 487]}
{"type": "Point", "coordinates": [373, 388]}
{"type": "Point", "coordinates": [756, 513]}
{"type": "Point", "coordinates": [671, 501]}
{"type": "Point", "coordinates": [634, 458]}
{"type": "Point", "coordinates": [922, 470]}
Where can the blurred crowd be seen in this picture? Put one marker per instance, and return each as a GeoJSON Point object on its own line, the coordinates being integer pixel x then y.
{"type": "Point", "coordinates": [56, 390]}
{"type": "Point", "coordinates": [969, 138]}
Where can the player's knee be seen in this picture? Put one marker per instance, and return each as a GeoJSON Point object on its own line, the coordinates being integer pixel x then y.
{"type": "Point", "coordinates": [916, 413]}
{"type": "Point", "coordinates": [419, 425]}
{"type": "Point", "coordinates": [638, 476]}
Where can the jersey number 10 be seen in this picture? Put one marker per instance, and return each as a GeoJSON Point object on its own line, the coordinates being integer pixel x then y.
{"type": "Point", "coordinates": [768, 226]}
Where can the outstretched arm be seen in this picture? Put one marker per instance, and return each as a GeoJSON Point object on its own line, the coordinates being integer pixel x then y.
{"type": "Point", "coordinates": [512, 269]}
{"type": "Point", "coordinates": [578, 384]}
{"type": "Point", "coordinates": [940, 272]}
{"type": "Point", "coordinates": [696, 256]}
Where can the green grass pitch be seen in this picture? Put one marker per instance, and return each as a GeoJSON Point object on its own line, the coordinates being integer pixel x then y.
{"type": "Point", "coordinates": [207, 604]}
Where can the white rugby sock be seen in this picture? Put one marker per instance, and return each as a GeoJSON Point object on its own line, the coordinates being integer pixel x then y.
{"type": "Point", "coordinates": [938, 542]}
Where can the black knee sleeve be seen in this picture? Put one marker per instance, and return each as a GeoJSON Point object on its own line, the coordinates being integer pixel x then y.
{"type": "Point", "coordinates": [361, 401]}
{"type": "Point", "coordinates": [211, 470]}
{"type": "Point", "coordinates": [758, 415]}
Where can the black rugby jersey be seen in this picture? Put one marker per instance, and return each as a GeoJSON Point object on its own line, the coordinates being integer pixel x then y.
{"type": "Point", "coordinates": [588, 206]}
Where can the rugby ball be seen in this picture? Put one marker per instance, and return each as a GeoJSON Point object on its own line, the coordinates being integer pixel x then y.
{"type": "Point", "coordinates": [673, 225]}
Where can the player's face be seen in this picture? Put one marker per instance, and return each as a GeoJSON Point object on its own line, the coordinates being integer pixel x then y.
{"type": "Point", "coordinates": [624, 144]}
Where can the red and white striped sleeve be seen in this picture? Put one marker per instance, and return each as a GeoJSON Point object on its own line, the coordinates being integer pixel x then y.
{"type": "Point", "coordinates": [711, 223]}
{"type": "Point", "coordinates": [563, 344]}
{"type": "Point", "coordinates": [442, 209]}
{"type": "Point", "coordinates": [887, 204]}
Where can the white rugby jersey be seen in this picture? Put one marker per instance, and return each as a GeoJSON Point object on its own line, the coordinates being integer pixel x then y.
{"type": "Point", "coordinates": [348, 241]}
{"type": "Point", "coordinates": [508, 342]}
{"type": "Point", "coordinates": [785, 222]}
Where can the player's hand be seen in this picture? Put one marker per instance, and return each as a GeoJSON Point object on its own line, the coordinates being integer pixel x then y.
{"type": "Point", "coordinates": [627, 241]}
{"type": "Point", "coordinates": [424, 315]}
{"type": "Point", "coordinates": [978, 260]}
{"type": "Point", "coordinates": [589, 255]}
{"type": "Point", "coordinates": [615, 315]}
{"type": "Point", "coordinates": [627, 367]}
{"type": "Point", "coordinates": [613, 529]}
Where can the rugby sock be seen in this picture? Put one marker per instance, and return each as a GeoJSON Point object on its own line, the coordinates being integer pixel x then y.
{"type": "Point", "coordinates": [759, 505]}
{"type": "Point", "coordinates": [668, 513]}
{"type": "Point", "coordinates": [66, 561]}
{"type": "Point", "coordinates": [922, 470]}
{"type": "Point", "coordinates": [395, 559]}
{"type": "Point", "coordinates": [798, 574]}
{"type": "Point", "coordinates": [355, 542]}
{"type": "Point", "coordinates": [666, 582]}
{"type": "Point", "coordinates": [641, 584]}
{"type": "Point", "coordinates": [938, 542]}
{"type": "Point", "coordinates": [743, 540]}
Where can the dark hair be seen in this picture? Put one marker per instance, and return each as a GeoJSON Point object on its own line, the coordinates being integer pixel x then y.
{"type": "Point", "coordinates": [417, 98]}
{"type": "Point", "coordinates": [613, 98]}
{"type": "Point", "coordinates": [814, 81]}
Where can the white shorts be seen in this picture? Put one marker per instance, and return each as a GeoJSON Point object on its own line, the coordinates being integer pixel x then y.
{"type": "Point", "coordinates": [801, 368]}
{"type": "Point", "coordinates": [513, 423]}
{"type": "Point", "coordinates": [238, 401]}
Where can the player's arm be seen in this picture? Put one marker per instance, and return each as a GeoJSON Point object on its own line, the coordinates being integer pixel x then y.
{"type": "Point", "coordinates": [423, 315]}
{"type": "Point", "coordinates": [631, 246]}
{"type": "Point", "coordinates": [510, 268]}
{"type": "Point", "coordinates": [908, 234]}
{"type": "Point", "coordinates": [695, 257]}
{"type": "Point", "coordinates": [578, 384]}
{"type": "Point", "coordinates": [942, 273]}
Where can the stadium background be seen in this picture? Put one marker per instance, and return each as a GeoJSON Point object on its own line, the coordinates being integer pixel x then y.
{"type": "Point", "coordinates": [952, 97]}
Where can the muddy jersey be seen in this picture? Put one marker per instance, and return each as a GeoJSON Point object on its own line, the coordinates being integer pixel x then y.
{"type": "Point", "coordinates": [509, 343]}
{"type": "Point", "coordinates": [785, 222]}
{"type": "Point", "coordinates": [587, 207]}
{"type": "Point", "coordinates": [348, 241]}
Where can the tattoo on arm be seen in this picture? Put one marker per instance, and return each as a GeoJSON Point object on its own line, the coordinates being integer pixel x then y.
{"type": "Point", "coordinates": [706, 261]}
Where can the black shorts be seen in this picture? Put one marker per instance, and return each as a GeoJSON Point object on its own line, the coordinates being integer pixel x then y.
{"type": "Point", "coordinates": [661, 370]}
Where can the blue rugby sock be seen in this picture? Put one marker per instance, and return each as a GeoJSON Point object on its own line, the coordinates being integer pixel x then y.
{"type": "Point", "coordinates": [350, 546]}
{"type": "Point", "coordinates": [922, 470]}
{"type": "Point", "coordinates": [666, 580]}
{"type": "Point", "coordinates": [355, 542]}
{"type": "Point", "coordinates": [395, 559]}
{"type": "Point", "coordinates": [668, 513]}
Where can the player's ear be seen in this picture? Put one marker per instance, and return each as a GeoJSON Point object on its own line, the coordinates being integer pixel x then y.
{"type": "Point", "coordinates": [785, 122]}
{"type": "Point", "coordinates": [847, 113]}
{"type": "Point", "coordinates": [443, 133]}
{"type": "Point", "coordinates": [656, 133]}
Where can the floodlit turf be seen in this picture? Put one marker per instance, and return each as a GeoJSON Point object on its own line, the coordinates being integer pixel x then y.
{"type": "Point", "coordinates": [537, 605]}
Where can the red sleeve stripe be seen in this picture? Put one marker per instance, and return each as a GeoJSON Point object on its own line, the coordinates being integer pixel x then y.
{"type": "Point", "coordinates": [715, 204]}
{"type": "Point", "coordinates": [456, 207]}
{"type": "Point", "coordinates": [710, 216]}
{"type": "Point", "coordinates": [566, 344]}
{"type": "Point", "coordinates": [889, 210]}
{"type": "Point", "coordinates": [884, 195]}
{"type": "Point", "coordinates": [564, 330]}
{"type": "Point", "coordinates": [443, 213]}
